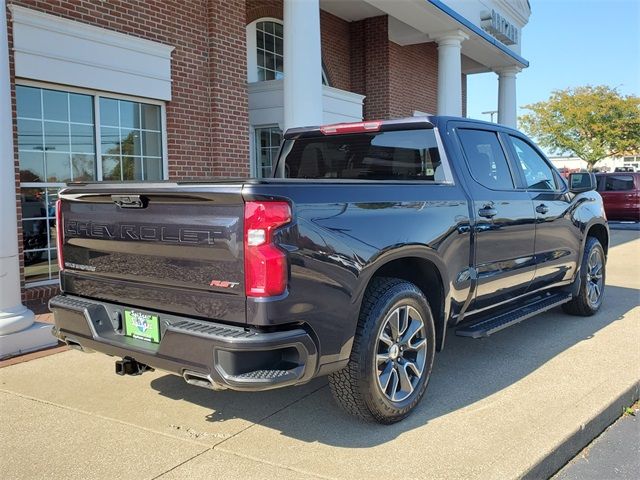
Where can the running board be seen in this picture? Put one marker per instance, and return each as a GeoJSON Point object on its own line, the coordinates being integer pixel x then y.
{"type": "Point", "coordinates": [488, 325]}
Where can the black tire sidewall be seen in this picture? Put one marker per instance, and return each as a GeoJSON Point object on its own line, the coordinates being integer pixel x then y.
{"type": "Point", "coordinates": [403, 293]}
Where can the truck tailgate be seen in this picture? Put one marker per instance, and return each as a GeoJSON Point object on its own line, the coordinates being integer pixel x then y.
{"type": "Point", "coordinates": [174, 248]}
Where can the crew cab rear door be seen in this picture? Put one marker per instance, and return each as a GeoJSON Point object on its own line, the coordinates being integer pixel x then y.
{"type": "Point", "coordinates": [503, 216]}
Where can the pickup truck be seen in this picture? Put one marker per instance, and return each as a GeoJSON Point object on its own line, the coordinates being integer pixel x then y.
{"type": "Point", "coordinates": [372, 242]}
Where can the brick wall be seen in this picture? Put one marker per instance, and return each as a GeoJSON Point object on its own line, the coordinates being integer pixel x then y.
{"type": "Point", "coordinates": [372, 78]}
{"type": "Point", "coordinates": [413, 79]}
{"type": "Point", "coordinates": [195, 104]}
{"type": "Point", "coordinates": [336, 50]}
{"type": "Point", "coordinates": [228, 76]}
{"type": "Point", "coordinates": [397, 80]}
{"type": "Point", "coordinates": [207, 117]}
{"type": "Point", "coordinates": [256, 9]}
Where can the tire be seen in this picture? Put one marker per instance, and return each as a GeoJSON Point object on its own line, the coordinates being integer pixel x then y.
{"type": "Point", "coordinates": [378, 349]}
{"type": "Point", "coordinates": [586, 303]}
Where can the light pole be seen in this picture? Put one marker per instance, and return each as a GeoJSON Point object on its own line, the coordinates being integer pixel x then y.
{"type": "Point", "coordinates": [490, 112]}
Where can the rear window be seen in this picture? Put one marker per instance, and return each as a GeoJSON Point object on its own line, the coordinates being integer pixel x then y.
{"type": "Point", "coordinates": [392, 155]}
{"type": "Point", "coordinates": [615, 183]}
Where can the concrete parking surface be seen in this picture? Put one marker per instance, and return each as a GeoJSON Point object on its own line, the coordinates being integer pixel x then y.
{"type": "Point", "coordinates": [520, 403]}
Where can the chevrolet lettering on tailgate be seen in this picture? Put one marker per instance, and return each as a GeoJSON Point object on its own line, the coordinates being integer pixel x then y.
{"type": "Point", "coordinates": [154, 233]}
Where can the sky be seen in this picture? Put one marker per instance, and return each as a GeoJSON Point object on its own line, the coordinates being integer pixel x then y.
{"type": "Point", "coordinates": [569, 43]}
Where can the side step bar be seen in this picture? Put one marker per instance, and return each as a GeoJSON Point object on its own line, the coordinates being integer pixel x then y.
{"type": "Point", "coordinates": [490, 324]}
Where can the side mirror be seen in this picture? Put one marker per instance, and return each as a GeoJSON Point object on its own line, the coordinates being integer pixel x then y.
{"type": "Point", "coordinates": [581, 182]}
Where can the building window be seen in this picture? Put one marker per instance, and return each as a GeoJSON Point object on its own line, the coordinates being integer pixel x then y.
{"type": "Point", "coordinates": [131, 140]}
{"type": "Point", "coordinates": [268, 141]}
{"type": "Point", "coordinates": [57, 136]}
{"type": "Point", "coordinates": [270, 50]}
{"type": "Point", "coordinates": [268, 64]}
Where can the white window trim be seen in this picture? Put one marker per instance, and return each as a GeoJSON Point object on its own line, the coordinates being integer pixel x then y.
{"type": "Point", "coordinates": [96, 95]}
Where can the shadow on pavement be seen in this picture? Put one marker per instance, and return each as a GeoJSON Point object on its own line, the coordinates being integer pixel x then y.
{"type": "Point", "coordinates": [466, 372]}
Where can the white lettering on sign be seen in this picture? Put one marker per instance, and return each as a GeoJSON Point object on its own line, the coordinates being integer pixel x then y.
{"type": "Point", "coordinates": [498, 26]}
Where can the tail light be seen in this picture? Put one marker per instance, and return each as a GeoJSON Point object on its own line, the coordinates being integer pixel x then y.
{"type": "Point", "coordinates": [59, 234]}
{"type": "Point", "coordinates": [358, 127]}
{"type": "Point", "coordinates": [265, 265]}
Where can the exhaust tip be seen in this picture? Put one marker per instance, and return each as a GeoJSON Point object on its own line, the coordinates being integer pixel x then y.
{"type": "Point", "coordinates": [201, 380]}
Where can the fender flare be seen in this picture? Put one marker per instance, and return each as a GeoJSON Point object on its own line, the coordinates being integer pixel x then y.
{"type": "Point", "coordinates": [407, 251]}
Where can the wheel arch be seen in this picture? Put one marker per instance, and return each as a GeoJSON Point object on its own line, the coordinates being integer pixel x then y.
{"type": "Point", "coordinates": [422, 267]}
{"type": "Point", "coordinates": [599, 231]}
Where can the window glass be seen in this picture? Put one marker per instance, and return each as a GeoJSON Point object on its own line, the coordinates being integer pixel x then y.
{"type": "Point", "coordinates": [394, 155]}
{"type": "Point", "coordinates": [269, 37]}
{"type": "Point", "coordinates": [487, 162]}
{"type": "Point", "coordinates": [57, 144]}
{"type": "Point", "coordinates": [130, 139]}
{"type": "Point", "coordinates": [538, 174]}
{"type": "Point", "coordinates": [270, 52]}
{"type": "Point", "coordinates": [268, 141]}
{"type": "Point", "coordinates": [56, 105]}
{"type": "Point", "coordinates": [616, 183]}
{"type": "Point", "coordinates": [30, 105]}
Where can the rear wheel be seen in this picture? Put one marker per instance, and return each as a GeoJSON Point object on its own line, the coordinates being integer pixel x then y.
{"type": "Point", "coordinates": [392, 354]}
{"type": "Point", "coordinates": [592, 278]}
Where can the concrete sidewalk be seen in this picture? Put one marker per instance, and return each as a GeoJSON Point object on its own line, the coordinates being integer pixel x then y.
{"type": "Point", "coordinates": [520, 403]}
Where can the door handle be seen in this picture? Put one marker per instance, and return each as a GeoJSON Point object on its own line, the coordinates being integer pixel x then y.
{"type": "Point", "coordinates": [542, 208]}
{"type": "Point", "coordinates": [487, 211]}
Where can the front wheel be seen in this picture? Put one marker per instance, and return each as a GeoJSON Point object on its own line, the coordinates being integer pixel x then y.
{"type": "Point", "coordinates": [392, 354]}
{"type": "Point", "coordinates": [592, 277]}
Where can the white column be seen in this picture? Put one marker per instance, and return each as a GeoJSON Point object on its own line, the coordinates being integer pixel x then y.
{"type": "Point", "coordinates": [302, 64]}
{"type": "Point", "coordinates": [507, 107]}
{"type": "Point", "coordinates": [450, 72]}
{"type": "Point", "coordinates": [17, 329]}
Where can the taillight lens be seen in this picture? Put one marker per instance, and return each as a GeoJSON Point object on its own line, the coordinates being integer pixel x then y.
{"type": "Point", "coordinates": [59, 234]}
{"type": "Point", "coordinates": [358, 127]}
{"type": "Point", "coordinates": [265, 265]}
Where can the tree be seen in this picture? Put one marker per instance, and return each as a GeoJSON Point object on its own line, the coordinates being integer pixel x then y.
{"type": "Point", "coordinates": [590, 122]}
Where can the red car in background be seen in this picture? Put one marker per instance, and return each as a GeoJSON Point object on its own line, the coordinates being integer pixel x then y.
{"type": "Point", "coordinates": [621, 195]}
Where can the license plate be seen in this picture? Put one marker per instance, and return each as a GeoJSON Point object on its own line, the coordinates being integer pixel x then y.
{"type": "Point", "coordinates": [142, 326]}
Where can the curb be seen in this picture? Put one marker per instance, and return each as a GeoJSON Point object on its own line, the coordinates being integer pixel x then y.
{"type": "Point", "coordinates": [582, 436]}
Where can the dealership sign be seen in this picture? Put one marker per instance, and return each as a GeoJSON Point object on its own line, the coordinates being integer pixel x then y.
{"type": "Point", "coordinates": [500, 27]}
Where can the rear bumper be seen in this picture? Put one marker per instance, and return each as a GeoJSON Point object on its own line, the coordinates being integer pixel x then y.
{"type": "Point", "coordinates": [204, 353]}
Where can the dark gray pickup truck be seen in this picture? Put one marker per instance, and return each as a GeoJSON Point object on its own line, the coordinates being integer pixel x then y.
{"type": "Point", "coordinates": [372, 242]}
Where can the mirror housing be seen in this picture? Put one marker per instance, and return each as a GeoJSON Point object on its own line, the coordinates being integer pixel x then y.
{"type": "Point", "coordinates": [582, 182]}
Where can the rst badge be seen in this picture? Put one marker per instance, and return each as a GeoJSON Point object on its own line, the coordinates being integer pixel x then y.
{"type": "Point", "coordinates": [223, 284]}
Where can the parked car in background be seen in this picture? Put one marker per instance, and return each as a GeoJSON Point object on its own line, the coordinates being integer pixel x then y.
{"type": "Point", "coordinates": [621, 195]}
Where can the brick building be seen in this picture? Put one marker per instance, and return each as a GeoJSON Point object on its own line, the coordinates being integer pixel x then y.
{"type": "Point", "coordinates": [150, 89]}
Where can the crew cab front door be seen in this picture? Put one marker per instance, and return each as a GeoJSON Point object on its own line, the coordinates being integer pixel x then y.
{"type": "Point", "coordinates": [504, 219]}
{"type": "Point", "coordinates": [557, 243]}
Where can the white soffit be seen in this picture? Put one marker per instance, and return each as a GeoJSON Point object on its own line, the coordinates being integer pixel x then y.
{"type": "Point", "coordinates": [53, 49]}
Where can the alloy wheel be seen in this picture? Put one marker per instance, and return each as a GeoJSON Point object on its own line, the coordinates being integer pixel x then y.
{"type": "Point", "coordinates": [595, 280]}
{"type": "Point", "coordinates": [401, 353]}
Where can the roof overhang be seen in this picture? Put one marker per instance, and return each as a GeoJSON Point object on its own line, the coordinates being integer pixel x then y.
{"type": "Point", "coordinates": [420, 21]}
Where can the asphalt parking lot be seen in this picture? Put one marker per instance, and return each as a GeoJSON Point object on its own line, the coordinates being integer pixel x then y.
{"type": "Point", "coordinates": [518, 404]}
